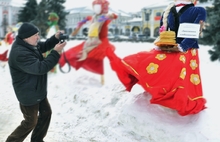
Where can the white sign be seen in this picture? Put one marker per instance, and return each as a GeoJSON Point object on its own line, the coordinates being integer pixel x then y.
{"type": "Point", "coordinates": [188, 30]}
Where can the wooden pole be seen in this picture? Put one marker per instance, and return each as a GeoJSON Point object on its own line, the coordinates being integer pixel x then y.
{"type": "Point", "coordinates": [75, 31]}
{"type": "Point", "coordinates": [102, 80]}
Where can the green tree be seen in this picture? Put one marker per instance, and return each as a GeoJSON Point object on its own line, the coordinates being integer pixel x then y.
{"type": "Point", "coordinates": [28, 12]}
{"type": "Point", "coordinates": [211, 34]}
{"type": "Point", "coordinates": [41, 18]}
{"type": "Point", "coordinates": [57, 7]}
{"type": "Point", "coordinates": [38, 14]}
{"type": "Point", "coordinates": [203, 1]}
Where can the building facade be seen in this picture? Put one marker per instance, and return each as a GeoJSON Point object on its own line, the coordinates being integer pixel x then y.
{"type": "Point", "coordinates": [145, 22]}
{"type": "Point", "coordinates": [8, 16]}
{"type": "Point", "coordinates": [77, 14]}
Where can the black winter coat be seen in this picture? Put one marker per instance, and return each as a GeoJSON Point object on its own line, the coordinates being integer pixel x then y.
{"type": "Point", "coordinates": [28, 69]}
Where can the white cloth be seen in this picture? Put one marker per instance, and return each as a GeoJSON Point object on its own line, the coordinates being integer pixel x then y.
{"type": "Point", "coordinates": [51, 31]}
{"type": "Point", "coordinates": [179, 2]}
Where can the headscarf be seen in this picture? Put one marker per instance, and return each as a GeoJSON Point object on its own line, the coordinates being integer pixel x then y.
{"type": "Point", "coordinates": [104, 4]}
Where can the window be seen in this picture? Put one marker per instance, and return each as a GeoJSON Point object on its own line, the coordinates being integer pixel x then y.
{"type": "Point", "coordinates": [147, 16]}
{"type": "Point", "coordinates": [158, 14]}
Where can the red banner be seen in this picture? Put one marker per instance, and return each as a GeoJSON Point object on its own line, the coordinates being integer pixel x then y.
{"type": "Point", "coordinates": [156, 18]}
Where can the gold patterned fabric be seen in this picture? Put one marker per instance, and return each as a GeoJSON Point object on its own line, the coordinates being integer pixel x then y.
{"type": "Point", "coordinates": [172, 78]}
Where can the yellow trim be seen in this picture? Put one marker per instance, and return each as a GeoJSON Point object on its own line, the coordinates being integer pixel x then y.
{"type": "Point", "coordinates": [130, 67]}
{"type": "Point", "coordinates": [164, 90]}
{"type": "Point", "coordinates": [196, 98]}
{"type": "Point", "coordinates": [148, 85]}
{"type": "Point", "coordinates": [181, 87]}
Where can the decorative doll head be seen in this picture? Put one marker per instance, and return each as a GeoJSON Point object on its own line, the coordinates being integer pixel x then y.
{"type": "Point", "coordinates": [53, 19]}
{"type": "Point", "coordinates": [100, 6]}
{"type": "Point", "coordinates": [97, 8]}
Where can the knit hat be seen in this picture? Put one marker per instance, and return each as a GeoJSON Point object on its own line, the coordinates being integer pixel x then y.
{"type": "Point", "coordinates": [26, 30]}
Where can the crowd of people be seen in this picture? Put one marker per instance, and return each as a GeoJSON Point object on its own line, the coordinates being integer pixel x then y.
{"type": "Point", "coordinates": [169, 72]}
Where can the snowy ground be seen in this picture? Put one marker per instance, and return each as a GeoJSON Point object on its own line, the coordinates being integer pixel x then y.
{"type": "Point", "coordinates": [86, 111]}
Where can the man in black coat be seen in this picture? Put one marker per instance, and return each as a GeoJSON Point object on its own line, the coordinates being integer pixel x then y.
{"type": "Point", "coordinates": [28, 69]}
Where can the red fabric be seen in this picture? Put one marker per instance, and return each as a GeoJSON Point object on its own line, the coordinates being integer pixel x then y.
{"type": "Point", "coordinates": [88, 18]}
{"type": "Point", "coordinates": [9, 38]}
{"type": "Point", "coordinates": [181, 4]}
{"type": "Point", "coordinates": [94, 61]}
{"type": "Point", "coordinates": [115, 16]}
{"type": "Point", "coordinates": [195, 2]}
{"type": "Point", "coordinates": [3, 56]}
{"type": "Point", "coordinates": [157, 18]}
{"type": "Point", "coordinates": [162, 74]}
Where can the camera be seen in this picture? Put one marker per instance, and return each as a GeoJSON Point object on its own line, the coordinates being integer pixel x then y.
{"type": "Point", "coordinates": [63, 37]}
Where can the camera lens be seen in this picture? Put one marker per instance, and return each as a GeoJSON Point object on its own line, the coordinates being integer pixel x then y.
{"type": "Point", "coordinates": [63, 37]}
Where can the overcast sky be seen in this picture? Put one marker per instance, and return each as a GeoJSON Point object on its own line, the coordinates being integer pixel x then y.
{"type": "Point", "coordinates": [125, 5]}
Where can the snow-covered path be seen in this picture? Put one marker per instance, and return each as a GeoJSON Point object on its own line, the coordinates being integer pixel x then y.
{"type": "Point", "coordinates": [85, 111]}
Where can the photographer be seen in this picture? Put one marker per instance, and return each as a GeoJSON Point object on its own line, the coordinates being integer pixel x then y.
{"type": "Point", "coordinates": [28, 69]}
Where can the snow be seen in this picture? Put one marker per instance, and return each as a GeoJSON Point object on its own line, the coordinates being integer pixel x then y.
{"type": "Point", "coordinates": [86, 111]}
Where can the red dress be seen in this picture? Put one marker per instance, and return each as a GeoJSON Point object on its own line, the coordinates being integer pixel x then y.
{"type": "Point", "coordinates": [3, 56]}
{"type": "Point", "coordinates": [9, 38]}
{"type": "Point", "coordinates": [94, 62]}
{"type": "Point", "coordinates": [173, 79]}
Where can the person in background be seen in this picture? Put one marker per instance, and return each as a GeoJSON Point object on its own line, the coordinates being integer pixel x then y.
{"type": "Point", "coordinates": [3, 56]}
{"type": "Point", "coordinates": [91, 53]}
{"type": "Point", "coordinates": [169, 73]}
{"type": "Point", "coordinates": [53, 28]}
{"type": "Point", "coordinates": [28, 70]}
{"type": "Point", "coordinates": [10, 36]}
